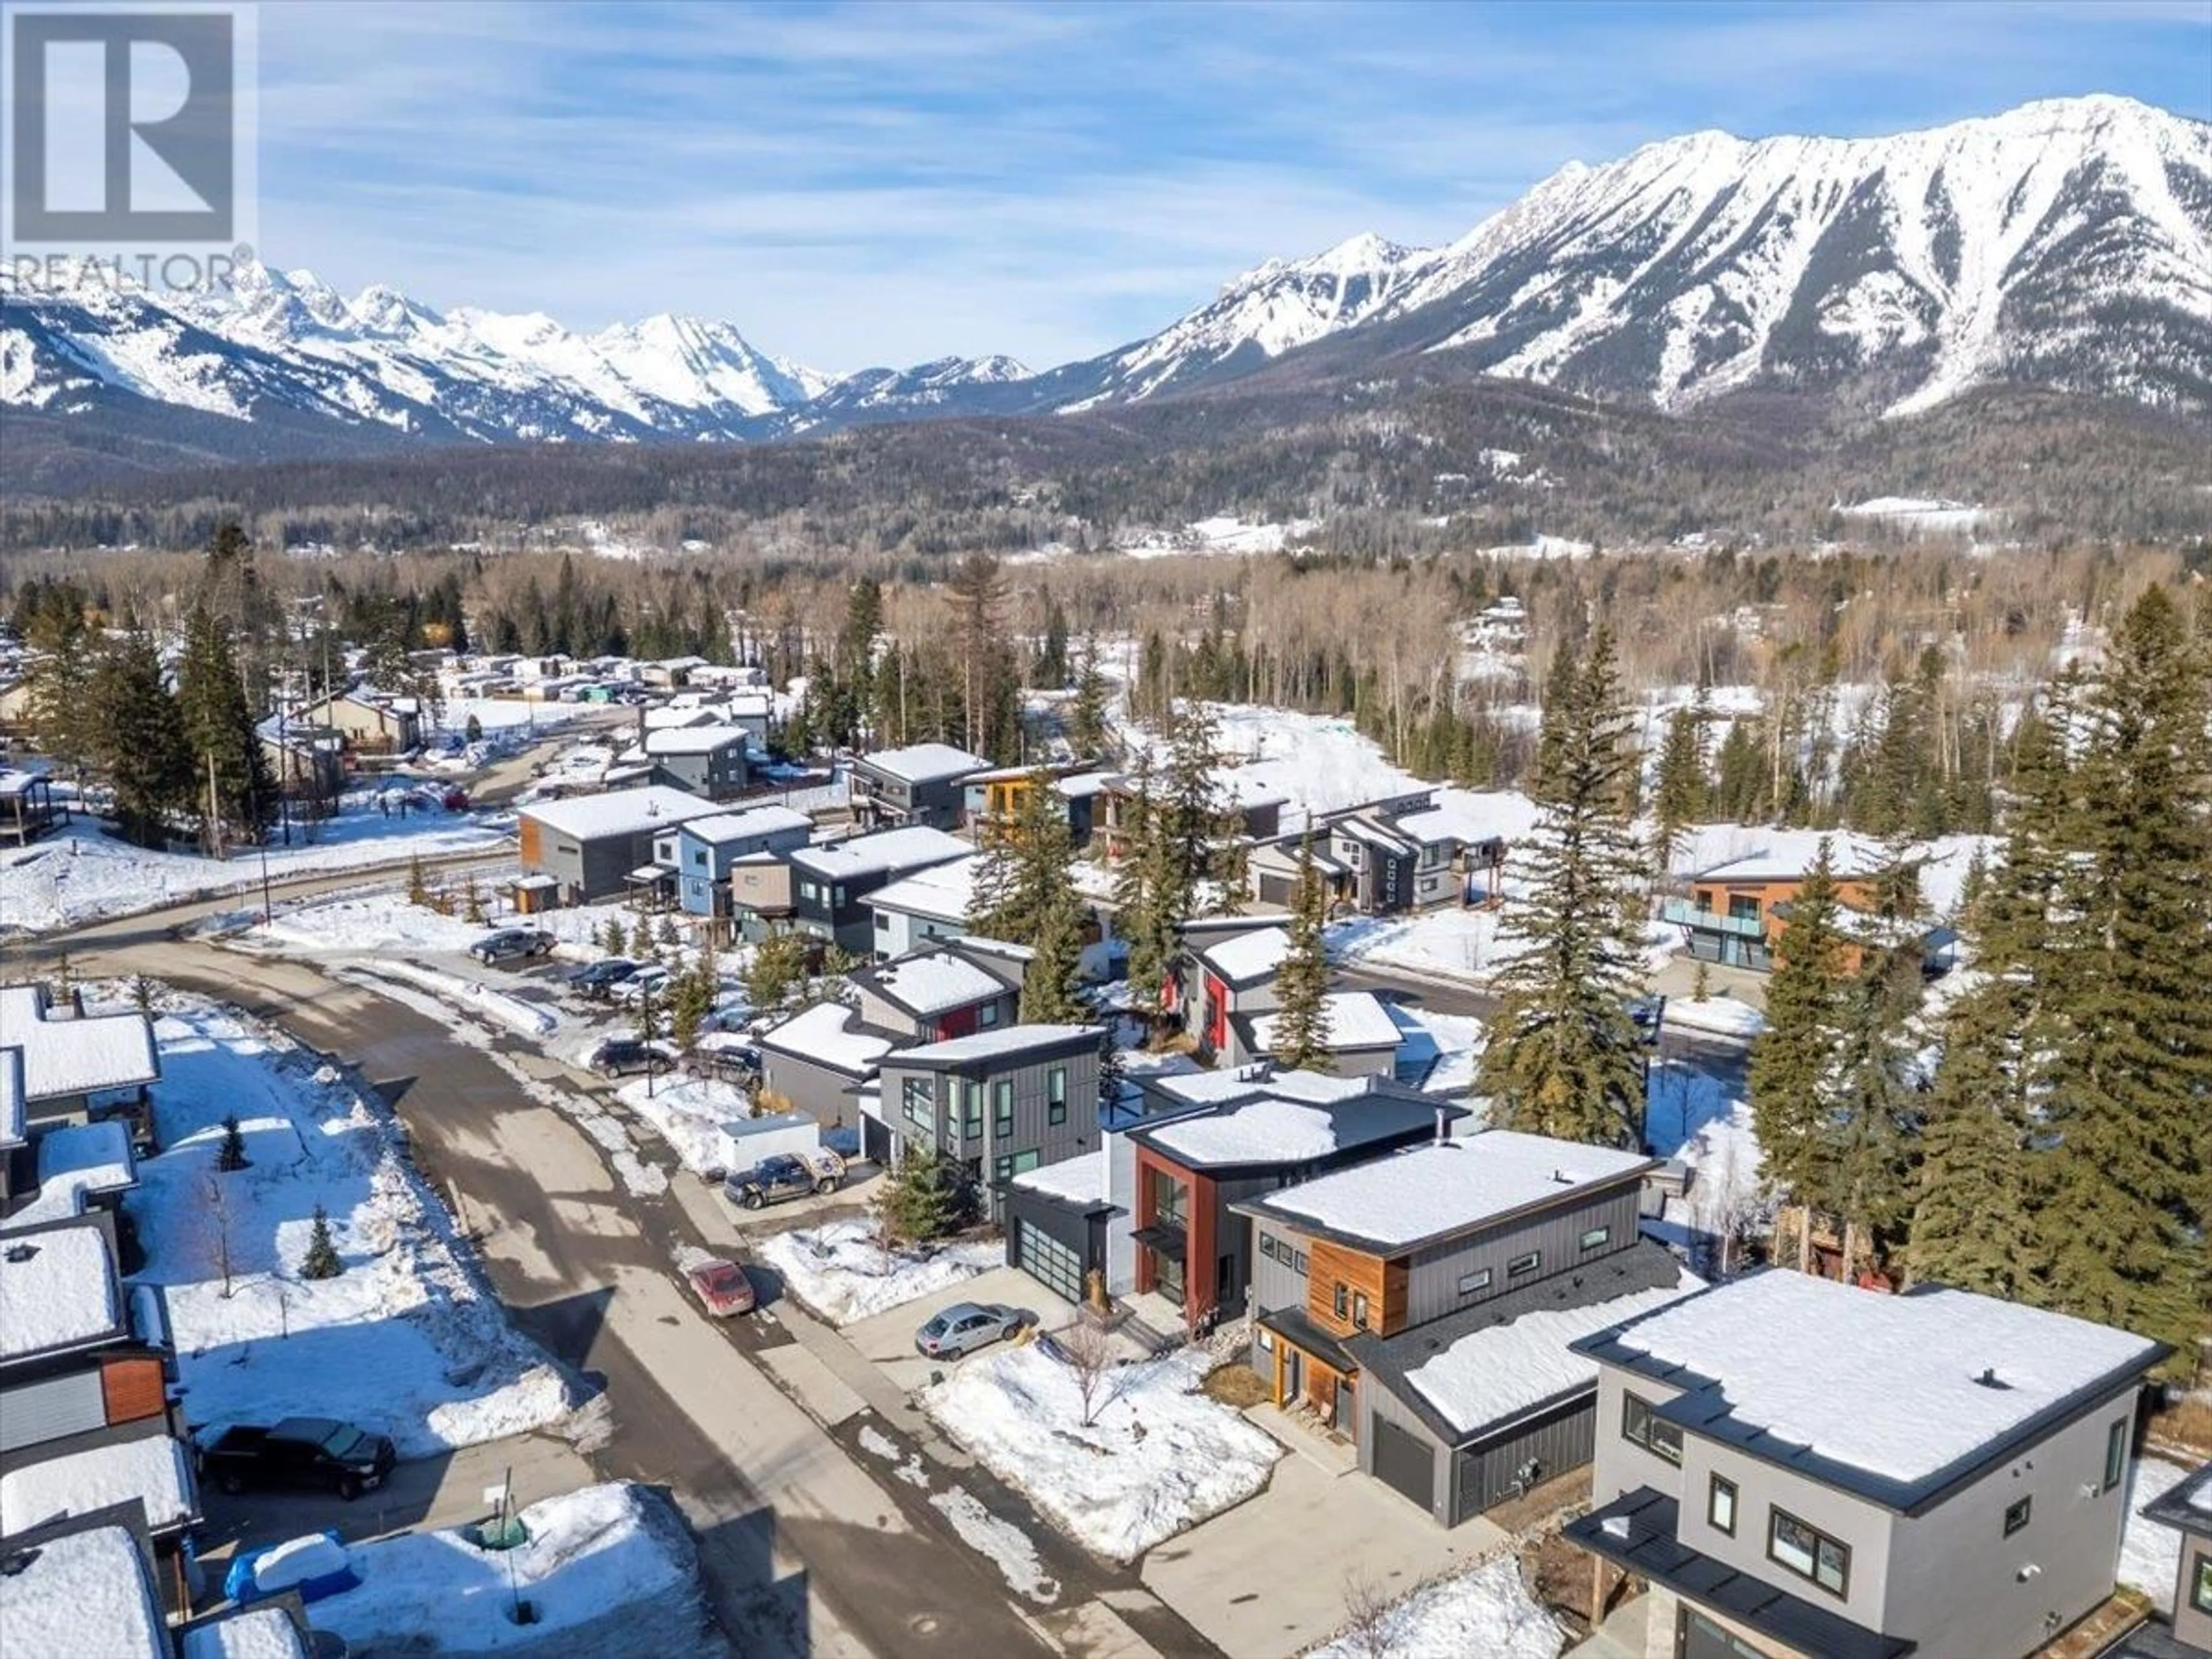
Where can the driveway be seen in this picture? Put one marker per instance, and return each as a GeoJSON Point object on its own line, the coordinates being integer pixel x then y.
{"type": "Point", "coordinates": [1268, 1578]}
{"type": "Point", "coordinates": [886, 1339]}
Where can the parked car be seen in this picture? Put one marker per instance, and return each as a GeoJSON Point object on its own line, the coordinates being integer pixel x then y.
{"type": "Point", "coordinates": [509, 943]}
{"type": "Point", "coordinates": [731, 1062]}
{"type": "Point", "coordinates": [787, 1175]}
{"type": "Point", "coordinates": [600, 978]}
{"type": "Point", "coordinates": [649, 981]}
{"type": "Point", "coordinates": [722, 1287]}
{"type": "Point", "coordinates": [967, 1326]}
{"type": "Point", "coordinates": [302, 1454]}
{"type": "Point", "coordinates": [620, 1056]}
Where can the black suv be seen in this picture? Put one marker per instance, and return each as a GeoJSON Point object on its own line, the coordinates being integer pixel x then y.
{"type": "Point", "coordinates": [620, 1056]}
{"type": "Point", "coordinates": [300, 1453]}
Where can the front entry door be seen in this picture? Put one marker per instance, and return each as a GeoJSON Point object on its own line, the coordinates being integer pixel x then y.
{"type": "Point", "coordinates": [1294, 1376]}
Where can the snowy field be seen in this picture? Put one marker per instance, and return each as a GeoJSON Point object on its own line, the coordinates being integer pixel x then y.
{"type": "Point", "coordinates": [609, 1570]}
{"type": "Point", "coordinates": [79, 875]}
{"type": "Point", "coordinates": [406, 1342]}
{"type": "Point", "coordinates": [1160, 1458]}
{"type": "Point", "coordinates": [1488, 1613]}
{"type": "Point", "coordinates": [2150, 1554]}
{"type": "Point", "coordinates": [839, 1272]}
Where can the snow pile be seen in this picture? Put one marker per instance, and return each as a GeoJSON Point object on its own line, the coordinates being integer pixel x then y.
{"type": "Point", "coordinates": [1006, 1544]}
{"type": "Point", "coordinates": [843, 1274]}
{"type": "Point", "coordinates": [1161, 1456]}
{"type": "Point", "coordinates": [2150, 1551]}
{"type": "Point", "coordinates": [407, 1342]}
{"type": "Point", "coordinates": [1488, 1613]}
{"type": "Point", "coordinates": [689, 1113]}
{"type": "Point", "coordinates": [1719, 1014]}
{"type": "Point", "coordinates": [527, 1019]}
{"type": "Point", "coordinates": [609, 1570]}
{"type": "Point", "coordinates": [1452, 943]}
{"type": "Point", "coordinates": [296, 1560]}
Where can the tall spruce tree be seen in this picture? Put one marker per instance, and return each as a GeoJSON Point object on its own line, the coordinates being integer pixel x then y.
{"type": "Point", "coordinates": [1679, 793]}
{"type": "Point", "coordinates": [1144, 899]}
{"type": "Point", "coordinates": [240, 799]}
{"type": "Point", "coordinates": [142, 747]}
{"type": "Point", "coordinates": [1086, 715]}
{"type": "Point", "coordinates": [1195, 816]}
{"type": "Point", "coordinates": [1563, 1057]}
{"type": "Point", "coordinates": [1793, 1061]}
{"type": "Point", "coordinates": [1866, 1178]}
{"type": "Point", "coordinates": [1049, 981]}
{"type": "Point", "coordinates": [1024, 877]}
{"type": "Point", "coordinates": [1301, 1019]}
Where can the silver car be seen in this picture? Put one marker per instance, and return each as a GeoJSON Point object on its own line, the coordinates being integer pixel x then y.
{"type": "Point", "coordinates": [967, 1326]}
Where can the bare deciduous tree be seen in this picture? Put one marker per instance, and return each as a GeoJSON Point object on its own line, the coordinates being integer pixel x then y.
{"type": "Point", "coordinates": [1089, 1355]}
{"type": "Point", "coordinates": [1366, 1632]}
{"type": "Point", "coordinates": [216, 1222]}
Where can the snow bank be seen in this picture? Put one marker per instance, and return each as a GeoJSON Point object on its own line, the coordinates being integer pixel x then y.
{"type": "Point", "coordinates": [1488, 1612]}
{"type": "Point", "coordinates": [838, 1272]}
{"type": "Point", "coordinates": [525, 1018]}
{"type": "Point", "coordinates": [1161, 1457]}
{"type": "Point", "coordinates": [407, 1341]}
{"type": "Point", "coordinates": [610, 1571]}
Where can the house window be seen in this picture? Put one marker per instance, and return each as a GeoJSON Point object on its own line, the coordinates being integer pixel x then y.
{"type": "Point", "coordinates": [1024, 1162]}
{"type": "Point", "coordinates": [808, 891]}
{"type": "Point", "coordinates": [1002, 1169]}
{"type": "Point", "coordinates": [2116, 1454]}
{"type": "Point", "coordinates": [1809, 1552]}
{"type": "Point", "coordinates": [2200, 1584]}
{"type": "Point", "coordinates": [987, 1015]}
{"type": "Point", "coordinates": [1639, 1423]}
{"type": "Point", "coordinates": [1720, 1505]}
{"type": "Point", "coordinates": [883, 922]}
{"type": "Point", "coordinates": [973, 1111]}
{"type": "Point", "coordinates": [1359, 1310]}
{"type": "Point", "coordinates": [1299, 1264]}
{"type": "Point", "coordinates": [1477, 1281]}
{"type": "Point", "coordinates": [1742, 908]}
{"type": "Point", "coordinates": [699, 859]}
{"type": "Point", "coordinates": [1341, 1303]}
{"type": "Point", "coordinates": [1056, 1095]}
{"type": "Point", "coordinates": [839, 898]}
{"type": "Point", "coordinates": [1267, 1245]}
{"type": "Point", "coordinates": [1521, 1265]}
{"type": "Point", "coordinates": [1595, 1236]}
{"type": "Point", "coordinates": [914, 1097]}
{"type": "Point", "coordinates": [1002, 1110]}
{"type": "Point", "coordinates": [2016, 1515]}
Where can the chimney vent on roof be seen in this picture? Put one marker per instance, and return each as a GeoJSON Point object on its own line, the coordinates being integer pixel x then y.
{"type": "Point", "coordinates": [21, 1253]}
{"type": "Point", "coordinates": [1989, 1379]}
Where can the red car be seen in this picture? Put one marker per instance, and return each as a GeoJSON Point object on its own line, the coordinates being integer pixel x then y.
{"type": "Point", "coordinates": [722, 1287]}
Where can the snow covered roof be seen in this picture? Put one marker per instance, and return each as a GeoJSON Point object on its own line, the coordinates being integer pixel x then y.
{"type": "Point", "coordinates": [1512, 1366]}
{"type": "Point", "coordinates": [1082, 786]}
{"type": "Point", "coordinates": [940, 893]}
{"type": "Point", "coordinates": [1248, 957]}
{"type": "Point", "coordinates": [1078, 1180]}
{"type": "Point", "coordinates": [995, 1045]}
{"type": "Point", "coordinates": [1452, 819]}
{"type": "Point", "coordinates": [1907, 1389]}
{"type": "Point", "coordinates": [150, 1468]}
{"type": "Point", "coordinates": [1852, 858]}
{"type": "Point", "coordinates": [57, 1288]}
{"type": "Point", "coordinates": [1356, 1019]}
{"type": "Point", "coordinates": [718, 828]}
{"type": "Point", "coordinates": [880, 853]}
{"type": "Point", "coordinates": [1453, 1187]}
{"type": "Point", "coordinates": [933, 982]}
{"type": "Point", "coordinates": [924, 762]}
{"type": "Point", "coordinates": [66, 1053]}
{"type": "Point", "coordinates": [620, 812]}
{"type": "Point", "coordinates": [829, 1035]}
{"type": "Point", "coordinates": [1295, 1118]}
{"type": "Point", "coordinates": [78, 1161]}
{"type": "Point", "coordinates": [693, 739]}
{"type": "Point", "coordinates": [258, 1632]}
{"type": "Point", "coordinates": [82, 1592]}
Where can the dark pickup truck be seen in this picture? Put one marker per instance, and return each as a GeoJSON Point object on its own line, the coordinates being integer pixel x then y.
{"type": "Point", "coordinates": [301, 1453]}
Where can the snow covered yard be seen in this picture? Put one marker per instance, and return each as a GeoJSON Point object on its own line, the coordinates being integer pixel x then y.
{"type": "Point", "coordinates": [839, 1272]}
{"type": "Point", "coordinates": [609, 1570]}
{"type": "Point", "coordinates": [406, 1340]}
{"type": "Point", "coordinates": [689, 1112]}
{"type": "Point", "coordinates": [1486, 1612]}
{"type": "Point", "coordinates": [1450, 944]}
{"type": "Point", "coordinates": [387, 923]}
{"type": "Point", "coordinates": [1160, 1457]}
{"type": "Point", "coordinates": [2150, 1553]}
{"type": "Point", "coordinates": [1719, 1014]}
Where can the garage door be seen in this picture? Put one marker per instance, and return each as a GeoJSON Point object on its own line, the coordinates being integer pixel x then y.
{"type": "Point", "coordinates": [1404, 1463]}
{"type": "Point", "coordinates": [1698, 1637]}
{"type": "Point", "coordinates": [1051, 1263]}
{"type": "Point", "coordinates": [1276, 890]}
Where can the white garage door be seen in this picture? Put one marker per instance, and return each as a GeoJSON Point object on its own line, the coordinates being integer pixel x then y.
{"type": "Point", "coordinates": [1051, 1263]}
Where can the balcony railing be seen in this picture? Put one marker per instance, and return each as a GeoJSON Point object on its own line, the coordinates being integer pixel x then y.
{"type": "Point", "coordinates": [1685, 914]}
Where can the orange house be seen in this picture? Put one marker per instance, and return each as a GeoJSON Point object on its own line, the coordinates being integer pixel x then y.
{"type": "Point", "coordinates": [1736, 912]}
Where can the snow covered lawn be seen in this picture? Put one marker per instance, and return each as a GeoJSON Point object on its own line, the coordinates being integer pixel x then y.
{"type": "Point", "coordinates": [838, 1271]}
{"type": "Point", "coordinates": [407, 1341]}
{"type": "Point", "coordinates": [386, 923]}
{"type": "Point", "coordinates": [2150, 1553]}
{"type": "Point", "coordinates": [1452, 944]}
{"type": "Point", "coordinates": [689, 1113]}
{"type": "Point", "coordinates": [1719, 1014]}
{"type": "Point", "coordinates": [609, 1570]}
{"type": "Point", "coordinates": [1160, 1458]}
{"type": "Point", "coordinates": [1488, 1612]}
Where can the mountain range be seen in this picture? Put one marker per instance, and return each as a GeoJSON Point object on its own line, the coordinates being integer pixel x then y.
{"type": "Point", "coordinates": [2065, 245]}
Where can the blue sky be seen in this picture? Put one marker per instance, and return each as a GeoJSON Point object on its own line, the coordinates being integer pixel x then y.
{"type": "Point", "coordinates": [862, 184]}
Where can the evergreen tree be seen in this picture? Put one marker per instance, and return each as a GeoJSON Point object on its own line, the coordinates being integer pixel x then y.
{"type": "Point", "coordinates": [1678, 796]}
{"type": "Point", "coordinates": [1050, 978]}
{"type": "Point", "coordinates": [230, 1154]}
{"type": "Point", "coordinates": [1876, 1115]}
{"type": "Point", "coordinates": [322, 1259]}
{"type": "Point", "coordinates": [1050, 671]}
{"type": "Point", "coordinates": [640, 940]}
{"type": "Point", "coordinates": [610, 936]}
{"type": "Point", "coordinates": [1144, 901]}
{"type": "Point", "coordinates": [1086, 715]}
{"type": "Point", "coordinates": [61, 673]}
{"type": "Point", "coordinates": [690, 999]}
{"type": "Point", "coordinates": [990, 700]}
{"type": "Point", "coordinates": [142, 746]}
{"type": "Point", "coordinates": [1024, 877]}
{"type": "Point", "coordinates": [1741, 791]}
{"type": "Point", "coordinates": [779, 963]}
{"type": "Point", "coordinates": [1195, 816]}
{"type": "Point", "coordinates": [1301, 1020]}
{"type": "Point", "coordinates": [419, 883]}
{"type": "Point", "coordinates": [1563, 1058]}
{"type": "Point", "coordinates": [1793, 1060]}
{"type": "Point", "coordinates": [918, 1201]}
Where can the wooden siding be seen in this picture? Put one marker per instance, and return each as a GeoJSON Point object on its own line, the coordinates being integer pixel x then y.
{"type": "Point", "coordinates": [529, 831]}
{"type": "Point", "coordinates": [1382, 1280]}
{"type": "Point", "coordinates": [132, 1388]}
{"type": "Point", "coordinates": [1432, 1289]}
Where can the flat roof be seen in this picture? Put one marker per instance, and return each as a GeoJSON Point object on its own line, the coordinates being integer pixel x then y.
{"type": "Point", "coordinates": [1910, 1391]}
{"type": "Point", "coordinates": [1296, 1118]}
{"type": "Point", "coordinates": [1080, 1181]}
{"type": "Point", "coordinates": [1451, 1187]}
{"type": "Point", "coordinates": [1356, 1019]}
{"type": "Point", "coordinates": [924, 762]}
{"type": "Point", "coordinates": [828, 1034]}
{"type": "Point", "coordinates": [76, 1162]}
{"type": "Point", "coordinates": [719, 827]}
{"type": "Point", "coordinates": [153, 1468]}
{"type": "Point", "coordinates": [995, 1045]}
{"type": "Point", "coordinates": [931, 983]}
{"type": "Point", "coordinates": [68, 1054]}
{"type": "Point", "coordinates": [1248, 957]}
{"type": "Point", "coordinates": [882, 853]}
{"type": "Point", "coordinates": [619, 812]}
{"type": "Point", "coordinates": [2187, 1506]}
{"type": "Point", "coordinates": [1790, 855]}
{"type": "Point", "coordinates": [940, 893]}
{"type": "Point", "coordinates": [57, 1288]}
{"type": "Point", "coordinates": [692, 739]}
{"type": "Point", "coordinates": [81, 1590]}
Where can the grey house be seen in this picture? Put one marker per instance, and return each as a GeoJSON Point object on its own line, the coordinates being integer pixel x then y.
{"type": "Point", "coordinates": [1363, 1039]}
{"type": "Point", "coordinates": [700, 852]}
{"type": "Point", "coordinates": [1384, 858]}
{"type": "Point", "coordinates": [1798, 1466]}
{"type": "Point", "coordinates": [2187, 1509]}
{"type": "Point", "coordinates": [923, 783]}
{"type": "Point", "coordinates": [591, 845]}
{"type": "Point", "coordinates": [1425, 1304]}
{"type": "Point", "coordinates": [821, 1061]}
{"type": "Point", "coordinates": [999, 1103]}
{"type": "Point", "coordinates": [1058, 1221]}
{"type": "Point", "coordinates": [708, 761]}
{"type": "Point", "coordinates": [932, 995]}
{"type": "Point", "coordinates": [830, 884]}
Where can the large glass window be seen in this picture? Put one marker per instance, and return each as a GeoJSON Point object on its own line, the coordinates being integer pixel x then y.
{"type": "Point", "coordinates": [914, 1097]}
{"type": "Point", "coordinates": [972, 1110]}
{"type": "Point", "coordinates": [1642, 1424]}
{"type": "Point", "coordinates": [1720, 1505]}
{"type": "Point", "coordinates": [1810, 1553]}
{"type": "Point", "coordinates": [1002, 1110]}
{"type": "Point", "coordinates": [2200, 1584]}
{"type": "Point", "coordinates": [1056, 1095]}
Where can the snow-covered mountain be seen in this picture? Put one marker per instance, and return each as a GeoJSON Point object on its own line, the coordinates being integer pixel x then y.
{"type": "Point", "coordinates": [2064, 243]}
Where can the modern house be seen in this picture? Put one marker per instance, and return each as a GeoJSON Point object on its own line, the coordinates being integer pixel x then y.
{"type": "Point", "coordinates": [1059, 1220]}
{"type": "Point", "coordinates": [69, 1066]}
{"type": "Point", "coordinates": [920, 784]}
{"type": "Point", "coordinates": [87, 1584]}
{"type": "Point", "coordinates": [1385, 858]}
{"type": "Point", "coordinates": [591, 844]}
{"type": "Point", "coordinates": [1000, 1103]}
{"type": "Point", "coordinates": [699, 854]}
{"type": "Point", "coordinates": [994, 799]}
{"type": "Point", "coordinates": [1225, 969]}
{"type": "Point", "coordinates": [2187, 1509]}
{"type": "Point", "coordinates": [369, 725]}
{"type": "Point", "coordinates": [1259, 816]}
{"type": "Point", "coordinates": [1801, 1468]}
{"type": "Point", "coordinates": [707, 761]}
{"type": "Point", "coordinates": [1735, 912]}
{"type": "Point", "coordinates": [1423, 1304]}
{"type": "Point", "coordinates": [1362, 1040]}
{"type": "Point", "coordinates": [941, 992]}
{"type": "Point", "coordinates": [820, 1060]}
{"type": "Point", "coordinates": [77, 1167]}
{"type": "Point", "coordinates": [1211, 1138]}
{"type": "Point", "coordinates": [929, 905]}
{"type": "Point", "coordinates": [760, 898]}
{"type": "Point", "coordinates": [27, 807]}
{"type": "Point", "coordinates": [830, 883]}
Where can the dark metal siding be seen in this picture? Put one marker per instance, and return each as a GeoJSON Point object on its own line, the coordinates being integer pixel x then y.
{"type": "Point", "coordinates": [1562, 1439]}
{"type": "Point", "coordinates": [1406, 1462]}
{"type": "Point", "coordinates": [35, 1412]}
{"type": "Point", "coordinates": [1432, 1283]}
{"type": "Point", "coordinates": [815, 1089]}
